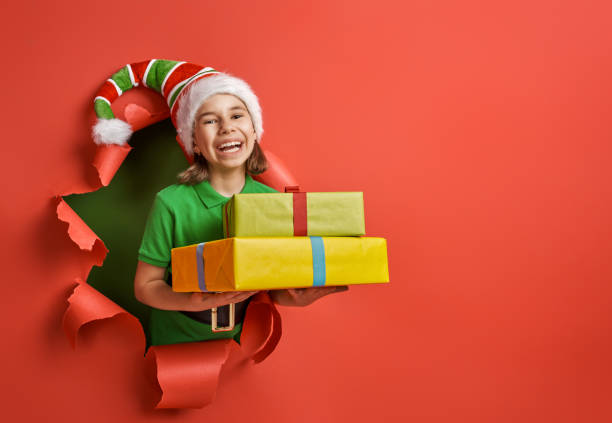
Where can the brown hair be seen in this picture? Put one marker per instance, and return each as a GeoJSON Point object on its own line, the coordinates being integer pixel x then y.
{"type": "Point", "coordinates": [198, 171]}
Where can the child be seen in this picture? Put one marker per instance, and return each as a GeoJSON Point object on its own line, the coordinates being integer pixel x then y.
{"type": "Point", "coordinates": [218, 119]}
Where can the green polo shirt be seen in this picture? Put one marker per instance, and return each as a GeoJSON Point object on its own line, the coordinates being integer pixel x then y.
{"type": "Point", "coordinates": [185, 215]}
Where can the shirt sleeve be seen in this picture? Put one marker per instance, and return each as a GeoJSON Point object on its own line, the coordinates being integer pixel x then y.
{"type": "Point", "coordinates": [157, 240]}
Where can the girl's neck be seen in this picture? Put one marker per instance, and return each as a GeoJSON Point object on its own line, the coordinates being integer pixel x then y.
{"type": "Point", "coordinates": [227, 182]}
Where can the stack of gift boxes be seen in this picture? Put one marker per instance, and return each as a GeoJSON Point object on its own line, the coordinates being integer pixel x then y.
{"type": "Point", "coordinates": [284, 240]}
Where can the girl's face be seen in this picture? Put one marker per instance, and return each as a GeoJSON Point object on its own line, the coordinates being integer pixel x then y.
{"type": "Point", "coordinates": [224, 133]}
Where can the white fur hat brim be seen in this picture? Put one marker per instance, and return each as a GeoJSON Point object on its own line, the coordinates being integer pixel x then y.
{"type": "Point", "coordinates": [200, 90]}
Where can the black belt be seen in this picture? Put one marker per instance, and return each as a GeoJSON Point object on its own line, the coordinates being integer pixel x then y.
{"type": "Point", "coordinates": [205, 316]}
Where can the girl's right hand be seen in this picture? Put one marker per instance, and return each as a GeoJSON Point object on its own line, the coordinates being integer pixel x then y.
{"type": "Point", "coordinates": [200, 301]}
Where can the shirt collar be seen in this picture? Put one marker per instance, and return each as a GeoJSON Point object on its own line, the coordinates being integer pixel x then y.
{"type": "Point", "coordinates": [212, 198]}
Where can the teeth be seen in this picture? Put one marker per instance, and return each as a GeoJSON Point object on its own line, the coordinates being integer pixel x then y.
{"type": "Point", "coordinates": [230, 144]}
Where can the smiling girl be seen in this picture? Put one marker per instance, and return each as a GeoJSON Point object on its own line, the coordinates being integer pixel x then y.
{"type": "Point", "coordinates": [218, 119]}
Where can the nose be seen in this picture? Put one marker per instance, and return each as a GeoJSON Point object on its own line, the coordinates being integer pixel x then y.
{"type": "Point", "coordinates": [226, 126]}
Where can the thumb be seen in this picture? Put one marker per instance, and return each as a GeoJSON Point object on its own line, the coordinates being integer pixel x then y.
{"type": "Point", "coordinates": [197, 295]}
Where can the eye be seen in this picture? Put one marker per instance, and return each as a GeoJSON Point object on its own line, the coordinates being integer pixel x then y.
{"type": "Point", "coordinates": [236, 116]}
{"type": "Point", "coordinates": [206, 122]}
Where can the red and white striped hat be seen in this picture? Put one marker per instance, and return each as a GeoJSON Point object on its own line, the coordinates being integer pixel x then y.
{"type": "Point", "coordinates": [185, 86]}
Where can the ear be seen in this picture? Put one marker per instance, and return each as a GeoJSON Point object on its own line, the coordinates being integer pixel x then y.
{"type": "Point", "coordinates": [196, 149]}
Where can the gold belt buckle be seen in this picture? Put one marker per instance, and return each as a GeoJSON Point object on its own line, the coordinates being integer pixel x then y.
{"type": "Point", "coordinates": [232, 319]}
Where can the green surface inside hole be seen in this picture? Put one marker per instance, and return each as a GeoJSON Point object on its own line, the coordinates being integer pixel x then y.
{"type": "Point", "coordinates": [117, 213]}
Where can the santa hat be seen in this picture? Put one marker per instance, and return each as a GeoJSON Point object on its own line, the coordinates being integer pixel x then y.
{"type": "Point", "coordinates": [185, 86]}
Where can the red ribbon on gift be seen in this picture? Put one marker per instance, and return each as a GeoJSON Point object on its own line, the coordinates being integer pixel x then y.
{"type": "Point", "coordinates": [300, 211]}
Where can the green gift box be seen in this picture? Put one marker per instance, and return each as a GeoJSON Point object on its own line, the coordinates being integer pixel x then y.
{"type": "Point", "coordinates": [294, 214]}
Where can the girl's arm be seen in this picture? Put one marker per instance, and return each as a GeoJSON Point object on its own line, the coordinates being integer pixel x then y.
{"type": "Point", "coordinates": [302, 296]}
{"type": "Point", "coordinates": [151, 289]}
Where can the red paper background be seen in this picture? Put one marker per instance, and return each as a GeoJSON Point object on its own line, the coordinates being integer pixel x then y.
{"type": "Point", "coordinates": [480, 133]}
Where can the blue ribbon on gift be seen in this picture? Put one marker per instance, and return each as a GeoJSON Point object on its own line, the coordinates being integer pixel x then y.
{"type": "Point", "coordinates": [200, 262]}
{"type": "Point", "coordinates": [318, 261]}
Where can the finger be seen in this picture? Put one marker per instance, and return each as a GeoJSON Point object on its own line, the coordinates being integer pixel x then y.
{"type": "Point", "coordinates": [238, 298]}
{"type": "Point", "coordinates": [234, 293]}
{"type": "Point", "coordinates": [230, 297]}
{"type": "Point", "coordinates": [321, 292]}
{"type": "Point", "coordinates": [243, 295]}
{"type": "Point", "coordinates": [225, 298]}
{"type": "Point", "coordinates": [332, 289]}
{"type": "Point", "coordinates": [247, 293]}
{"type": "Point", "coordinates": [294, 293]}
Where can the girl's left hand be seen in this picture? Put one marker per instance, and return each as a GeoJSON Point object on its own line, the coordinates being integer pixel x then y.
{"type": "Point", "coordinates": [300, 297]}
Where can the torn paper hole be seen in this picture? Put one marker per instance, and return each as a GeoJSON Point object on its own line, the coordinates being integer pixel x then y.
{"type": "Point", "coordinates": [262, 328]}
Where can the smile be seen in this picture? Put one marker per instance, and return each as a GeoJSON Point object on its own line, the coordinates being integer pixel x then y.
{"type": "Point", "coordinates": [230, 147]}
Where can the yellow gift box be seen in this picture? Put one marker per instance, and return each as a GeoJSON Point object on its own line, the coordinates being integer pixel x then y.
{"type": "Point", "coordinates": [294, 214]}
{"type": "Point", "coordinates": [242, 264]}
